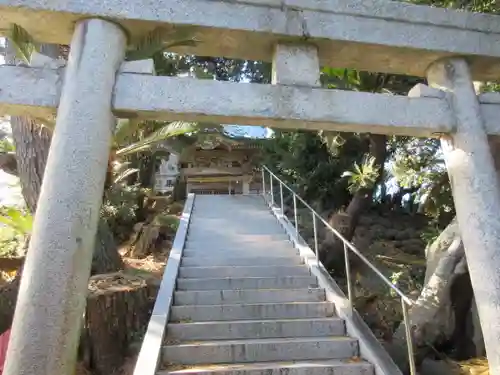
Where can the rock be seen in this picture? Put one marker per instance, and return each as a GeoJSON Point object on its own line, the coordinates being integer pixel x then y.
{"type": "Point", "coordinates": [433, 367]}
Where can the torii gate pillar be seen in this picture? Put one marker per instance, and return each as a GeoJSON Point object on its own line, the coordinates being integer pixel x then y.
{"type": "Point", "coordinates": [476, 194]}
{"type": "Point", "coordinates": [53, 291]}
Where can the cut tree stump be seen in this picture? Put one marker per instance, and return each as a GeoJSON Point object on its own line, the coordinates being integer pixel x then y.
{"type": "Point", "coordinates": [117, 313]}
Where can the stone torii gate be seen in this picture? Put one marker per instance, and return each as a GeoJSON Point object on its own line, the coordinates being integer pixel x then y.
{"type": "Point", "coordinates": [450, 48]}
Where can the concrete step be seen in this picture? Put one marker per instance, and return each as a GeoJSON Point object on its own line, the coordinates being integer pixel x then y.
{"type": "Point", "coordinates": [206, 313]}
{"type": "Point", "coordinates": [287, 282]}
{"type": "Point", "coordinates": [242, 271]}
{"type": "Point", "coordinates": [242, 252]}
{"type": "Point", "coordinates": [235, 245]}
{"type": "Point", "coordinates": [263, 216]}
{"type": "Point", "coordinates": [263, 221]}
{"type": "Point", "coordinates": [221, 297]}
{"type": "Point", "coordinates": [231, 259]}
{"type": "Point", "coordinates": [243, 329]}
{"type": "Point", "coordinates": [261, 350]}
{"type": "Point", "coordinates": [211, 208]}
{"type": "Point", "coordinates": [224, 243]}
{"type": "Point", "coordinates": [235, 210]}
{"type": "Point", "coordinates": [226, 230]}
{"type": "Point", "coordinates": [205, 236]}
{"type": "Point", "coordinates": [317, 367]}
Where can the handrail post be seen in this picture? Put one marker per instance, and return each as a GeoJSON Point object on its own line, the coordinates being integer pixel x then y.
{"type": "Point", "coordinates": [271, 188]}
{"type": "Point", "coordinates": [263, 182]}
{"type": "Point", "coordinates": [315, 236]}
{"type": "Point", "coordinates": [281, 197]}
{"type": "Point", "coordinates": [409, 338]}
{"type": "Point", "coordinates": [348, 275]}
{"type": "Point", "coordinates": [295, 215]}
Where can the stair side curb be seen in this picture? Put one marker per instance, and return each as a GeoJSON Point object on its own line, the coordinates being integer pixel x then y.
{"type": "Point", "coordinates": [150, 354]}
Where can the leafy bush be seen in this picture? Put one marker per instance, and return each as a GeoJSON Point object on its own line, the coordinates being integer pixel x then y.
{"type": "Point", "coordinates": [169, 223]}
{"type": "Point", "coordinates": [175, 208]}
{"type": "Point", "coordinates": [9, 242]}
{"type": "Point", "coordinates": [15, 225]}
{"type": "Point", "coordinates": [120, 208]}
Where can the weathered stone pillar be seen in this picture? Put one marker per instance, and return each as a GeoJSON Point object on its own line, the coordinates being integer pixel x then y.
{"type": "Point", "coordinates": [475, 191]}
{"type": "Point", "coordinates": [51, 302]}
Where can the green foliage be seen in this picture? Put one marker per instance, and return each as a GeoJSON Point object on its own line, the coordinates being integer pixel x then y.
{"type": "Point", "coordinates": [171, 131]}
{"type": "Point", "coordinates": [120, 206]}
{"type": "Point", "coordinates": [24, 44]}
{"type": "Point", "coordinates": [15, 225]}
{"type": "Point", "coordinates": [170, 222]}
{"type": "Point", "coordinates": [6, 145]}
{"type": "Point", "coordinates": [175, 208]}
{"type": "Point", "coordinates": [9, 241]}
{"type": "Point", "coordinates": [394, 280]}
{"type": "Point", "coordinates": [19, 221]}
{"type": "Point", "coordinates": [484, 6]}
{"type": "Point", "coordinates": [418, 165]}
{"type": "Point", "coordinates": [121, 171]}
{"type": "Point", "coordinates": [305, 162]}
{"type": "Point", "coordinates": [126, 131]}
{"type": "Point", "coordinates": [168, 131]}
{"type": "Point", "coordinates": [430, 234]}
{"type": "Point", "coordinates": [363, 176]}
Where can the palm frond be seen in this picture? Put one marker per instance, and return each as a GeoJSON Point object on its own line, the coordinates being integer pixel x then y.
{"type": "Point", "coordinates": [363, 175]}
{"type": "Point", "coordinates": [171, 130]}
{"type": "Point", "coordinates": [159, 40]}
{"type": "Point", "coordinates": [23, 43]}
{"type": "Point", "coordinates": [123, 175]}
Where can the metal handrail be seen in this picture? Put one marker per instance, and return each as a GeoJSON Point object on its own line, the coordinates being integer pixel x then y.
{"type": "Point", "coordinates": [405, 300]}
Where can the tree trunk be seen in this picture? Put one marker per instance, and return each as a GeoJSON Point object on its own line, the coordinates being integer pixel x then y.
{"type": "Point", "coordinates": [443, 315]}
{"type": "Point", "coordinates": [430, 316]}
{"type": "Point", "coordinates": [106, 257]}
{"type": "Point", "coordinates": [332, 249]}
{"type": "Point", "coordinates": [32, 143]}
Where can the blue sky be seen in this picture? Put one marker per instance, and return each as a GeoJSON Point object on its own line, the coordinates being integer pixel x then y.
{"type": "Point", "coordinates": [249, 131]}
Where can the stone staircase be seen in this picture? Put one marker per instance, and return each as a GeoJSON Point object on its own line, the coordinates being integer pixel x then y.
{"type": "Point", "coordinates": [246, 304]}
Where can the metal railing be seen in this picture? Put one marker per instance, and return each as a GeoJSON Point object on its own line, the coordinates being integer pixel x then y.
{"type": "Point", "coordinates": [348, 246]}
